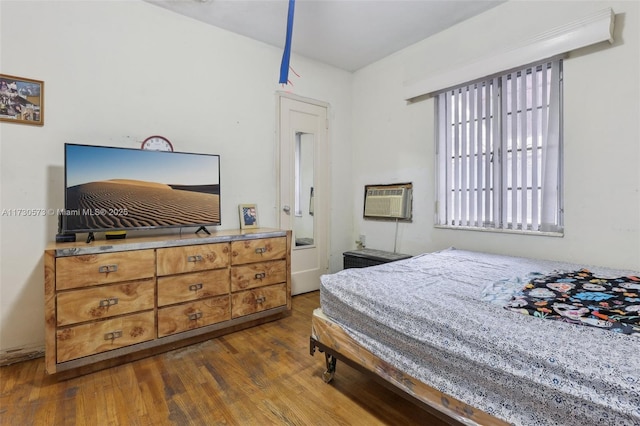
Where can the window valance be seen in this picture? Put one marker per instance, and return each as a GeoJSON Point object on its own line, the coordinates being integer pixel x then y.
{"type": "Point", "coordinates": [591, 29]}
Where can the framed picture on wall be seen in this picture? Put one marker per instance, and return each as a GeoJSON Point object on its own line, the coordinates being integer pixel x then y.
{"type": "Point", "coordinates": [248, 216]}
{"type": "Point", "coordinates": [21, 100]}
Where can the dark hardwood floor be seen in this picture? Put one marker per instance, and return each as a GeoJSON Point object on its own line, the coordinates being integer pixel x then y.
{"type": "Point", "coordinates": [259, 376]}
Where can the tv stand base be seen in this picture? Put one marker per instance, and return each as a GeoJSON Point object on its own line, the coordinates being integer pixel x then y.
{"type": "Point", "coordinates": [202, 228]}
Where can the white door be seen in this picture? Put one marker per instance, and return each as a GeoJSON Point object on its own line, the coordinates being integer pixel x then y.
{"type": "Point", "coordinates": [303, 188]}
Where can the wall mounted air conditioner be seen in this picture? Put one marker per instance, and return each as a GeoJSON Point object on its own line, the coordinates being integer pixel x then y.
{"type": "Point", "coordinates": [388, 201]}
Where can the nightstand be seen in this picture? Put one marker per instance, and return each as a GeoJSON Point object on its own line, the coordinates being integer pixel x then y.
{"type": "Point", "coordinates": [369, 257]}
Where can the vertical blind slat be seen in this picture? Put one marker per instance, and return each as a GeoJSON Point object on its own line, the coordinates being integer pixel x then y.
{"type": "Point", "coordinates": [544, 111]}
{"type": "Point", "coordinates": [503, 156]}
{"type": "Point", "coordinates": [472, 156]}
{"type": "Point", "coordinates": [488, 140]}
{"type": "Point", "coordinates": [442, 143]}
{"type": "Point", "coordinates": [464, 155]}
{"type": "Point", "coordinates": [479, 153]}
{"type": "Point", "coordinates": [535, 112]}
{"type": "Point", "coordinates": [449, 154]}
{"type": "Point", "coordinates": [456, 162]}
{"type": "Point", "coordinates": [499, 124]}
{"type": "Point", "coordinates": [524, 169]}
{"type": "Point", "coordinates": [513, 156]}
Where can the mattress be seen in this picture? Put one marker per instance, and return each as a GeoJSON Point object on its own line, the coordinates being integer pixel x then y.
{"type": "Point", "coordinates": [440, 318]}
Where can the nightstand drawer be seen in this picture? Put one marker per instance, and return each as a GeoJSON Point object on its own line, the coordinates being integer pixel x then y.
{"type": "Point", "coordinates": [197, 285]}
{"type": "Point", "coordinates": [258, 300]}
{"type": "Point", "coordinates": [251, 251]}
{"type": "Point", "coordinates": [178, 318]}
{"type": "Point", "coordinates": [102, 336]}
{"type": "Point", "coordinates": [258, 274]}
{"type": "Point", "coordinates": [95, 269]}
{"type": "Point", "coordinates": [94, 303]}
{"type": "Point", "coordinates": [177, 260]}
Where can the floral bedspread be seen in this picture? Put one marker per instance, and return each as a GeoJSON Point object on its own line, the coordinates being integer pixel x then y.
{"type": "Point", "coordinates": [580, 297]}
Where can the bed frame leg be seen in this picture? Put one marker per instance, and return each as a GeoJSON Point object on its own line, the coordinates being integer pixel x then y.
{"type": "Point", "coordinates": [331, 361]}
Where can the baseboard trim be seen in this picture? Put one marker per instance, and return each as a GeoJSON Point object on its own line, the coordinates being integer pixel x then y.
{"type": "Point", "coordinates": [12, 356]}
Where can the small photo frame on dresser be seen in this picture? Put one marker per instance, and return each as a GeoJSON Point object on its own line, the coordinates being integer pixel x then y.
{"type": "Point", "coordinates": [248, 216]}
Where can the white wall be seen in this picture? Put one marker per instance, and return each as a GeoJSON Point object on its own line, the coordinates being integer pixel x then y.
{"type": "Point", "coordinates": [117, 72]}
{"type": "Point", "coordinates": [394, 142]}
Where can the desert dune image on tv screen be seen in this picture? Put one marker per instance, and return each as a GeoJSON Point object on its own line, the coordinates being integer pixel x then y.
{"type": "Point", "coordinates": [118, 188]}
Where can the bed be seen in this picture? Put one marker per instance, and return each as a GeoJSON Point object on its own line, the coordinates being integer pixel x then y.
{"type": "Point", "coordinates": [460, 333]}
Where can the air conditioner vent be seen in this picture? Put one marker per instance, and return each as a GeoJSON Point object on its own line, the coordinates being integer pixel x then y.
{"type": "Point", "coordinates": [388, 202]}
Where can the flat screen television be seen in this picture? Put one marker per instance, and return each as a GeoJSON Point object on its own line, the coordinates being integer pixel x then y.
{"type": "Point", "coordinates": [116, 189]}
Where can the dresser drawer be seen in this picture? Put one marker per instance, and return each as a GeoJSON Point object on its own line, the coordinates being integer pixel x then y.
{"type": "Point", "coordinates": [258, 300]}
{"type": "Point", "coordinates": [250, 251]}
{"type": "Point", "coordinates": [178, 260]}
{"type": "Point", "coordinates": [101, 336]}
{"type": "Point", "coordinates": [95, 269]}
{"type": "Point", "coordinates": [196, 285]}
{"type": "Point", "coordinates": [258, 274]}
{"type": "Point", "coordinates": [178, 318]}
{"type": "Point", "coordinates": [105, 301]}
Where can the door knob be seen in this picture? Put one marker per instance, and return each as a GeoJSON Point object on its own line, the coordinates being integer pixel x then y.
{"type": "Point", "coordinates": [286, 209]}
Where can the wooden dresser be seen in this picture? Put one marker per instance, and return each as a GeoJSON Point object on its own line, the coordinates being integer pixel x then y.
{"type": "Point", "coordinates": [112, 301]}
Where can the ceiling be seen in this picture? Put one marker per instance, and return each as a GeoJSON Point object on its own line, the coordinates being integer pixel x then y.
{"type": "Point", "coordinates": [348, 34]}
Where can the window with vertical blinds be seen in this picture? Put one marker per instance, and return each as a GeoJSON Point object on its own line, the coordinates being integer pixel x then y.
{"type": "Point", "coordinates": [499, 150]}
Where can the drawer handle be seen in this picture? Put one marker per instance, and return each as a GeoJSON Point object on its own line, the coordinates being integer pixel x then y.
{"type": "Point", "coordinates": [108, 268]}
{"type": "Point", "coordinates": [195, 316]}
{"type": "Point", "coordinates": [195, 287]}
{"type": "Point", "coordinates": [260, 299]}
{"type": "Point", "coordinates": [261, 250]}
{"type": "Point", "coordinates": [113, 335]}
{"type": "Point", "coordinates": [108, 302]}
{"type": "Point", "coordinates": [196, 258]}
{"type": "Point", "coordinates": [260, 276]}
